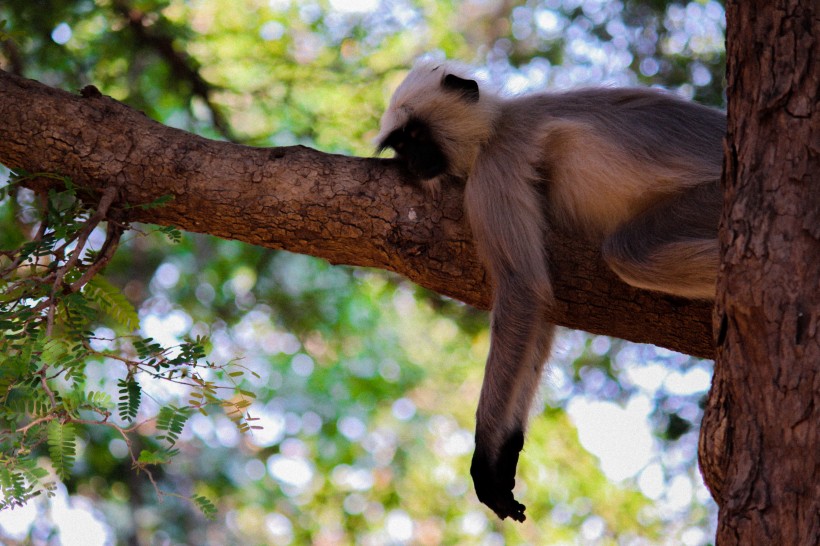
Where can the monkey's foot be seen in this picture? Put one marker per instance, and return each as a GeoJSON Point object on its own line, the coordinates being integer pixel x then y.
{"type": "Point", "coordinates": [495, 479]}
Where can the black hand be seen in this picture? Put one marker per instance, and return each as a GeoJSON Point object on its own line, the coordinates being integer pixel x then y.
{"type": "Point", "coordinates": [494, 480]}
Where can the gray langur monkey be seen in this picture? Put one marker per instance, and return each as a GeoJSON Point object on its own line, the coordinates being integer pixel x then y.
{"type": "Point", "coordinates": [635, 170]}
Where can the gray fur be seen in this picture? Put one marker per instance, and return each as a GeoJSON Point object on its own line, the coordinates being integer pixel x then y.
{"type": "Point", "coordinates": [634, 170]}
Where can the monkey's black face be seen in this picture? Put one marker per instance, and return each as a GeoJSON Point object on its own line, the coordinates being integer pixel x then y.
{"type": "Point", "coordinates": [415, 146]}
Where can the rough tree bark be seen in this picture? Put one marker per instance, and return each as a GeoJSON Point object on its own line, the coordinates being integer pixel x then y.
{"type": "Point", "coordinates": [346, 210]}
{"type": "Point", "coordinates": [760, 438]}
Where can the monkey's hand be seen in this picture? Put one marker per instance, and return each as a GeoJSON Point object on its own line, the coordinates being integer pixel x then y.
{"type": "Point", "coordinates": [494, 477]}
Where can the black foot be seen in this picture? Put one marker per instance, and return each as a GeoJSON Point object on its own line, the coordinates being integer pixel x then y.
{"type": "Point", "coordinates": [494, 480]}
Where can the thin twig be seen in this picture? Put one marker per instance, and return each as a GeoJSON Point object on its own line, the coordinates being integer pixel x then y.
{"type": "Point", "coordinates": [112, 241]}
{"type": "Point", "coordinates": [23, 430]}
{"type": "Point", "coordinates": [107, 199]}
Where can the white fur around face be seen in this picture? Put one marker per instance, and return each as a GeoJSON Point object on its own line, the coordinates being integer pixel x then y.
{"type": "Point", "coordinates": [460, 126]}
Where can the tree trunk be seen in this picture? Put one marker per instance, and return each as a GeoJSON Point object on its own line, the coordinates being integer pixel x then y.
{"type": "Point", "coordinates": [349, 210]}
{"type": "Point", "coordinates": [760, 439]}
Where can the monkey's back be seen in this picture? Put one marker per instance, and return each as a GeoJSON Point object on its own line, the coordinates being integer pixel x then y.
{"type": "Point", "coordinates": [608, 153]}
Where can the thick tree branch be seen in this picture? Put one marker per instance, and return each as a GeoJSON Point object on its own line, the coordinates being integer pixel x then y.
{"type": "Point", "coordinates": [346, 210]}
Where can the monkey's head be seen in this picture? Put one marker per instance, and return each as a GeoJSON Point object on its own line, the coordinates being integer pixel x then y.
{"type": "Point", "coordinates": [436, 121]}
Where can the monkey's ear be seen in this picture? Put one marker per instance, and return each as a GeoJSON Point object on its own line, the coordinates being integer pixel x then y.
{"type": "Point", "coordinates": [467, 88]}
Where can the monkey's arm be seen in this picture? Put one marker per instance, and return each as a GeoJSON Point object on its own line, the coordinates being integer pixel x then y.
{"type": "Point", "coordinates": [508, 226]}
{"type": "Point", "coordinates": [520, 345]}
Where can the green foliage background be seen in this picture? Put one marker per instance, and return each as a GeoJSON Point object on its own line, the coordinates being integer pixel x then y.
{"type": "Point", "coordinates": [269, 398]}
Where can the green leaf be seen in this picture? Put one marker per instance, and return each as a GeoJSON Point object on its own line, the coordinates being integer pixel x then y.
{"type": "Point", "coordinates": [153, 457]}
{"type": "Point", "coordinates": [111, 300]}
{"type": "Point", "coordinates": [14, 488]}
{"type": "Point", "coordinates": [205, 505]}
{"type": "Point", "coordinates": [100, 400]}
{"type": "Point", "coordinates": [147, 347]}
{"type": "Point", "coordinates": [53, 350]}
{"type": "Point", "coordinates": [130, 398]}
{"type": "Point", "coordinates": [173, 234]}
{"type": "Point", "coordinates": [171, 420]}
{"type": "Point", "coordinates": [62, 447]}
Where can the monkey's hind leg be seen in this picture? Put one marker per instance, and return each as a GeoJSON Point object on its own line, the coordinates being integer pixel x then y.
{"type": "Point", "coordinates": [671, 247]}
